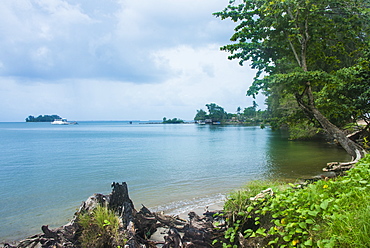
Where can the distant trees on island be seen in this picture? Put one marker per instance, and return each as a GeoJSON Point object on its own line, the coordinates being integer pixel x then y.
{"type": "Point", "coordinates": [217, 115]}
{"type": "Point", "coordinates": [42, 118]}
{"type": "Point", "coordinates": [172, 121]}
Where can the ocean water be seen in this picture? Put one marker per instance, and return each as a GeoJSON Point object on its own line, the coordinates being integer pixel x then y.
{"type": "Point", "coordinates": [46, 170]}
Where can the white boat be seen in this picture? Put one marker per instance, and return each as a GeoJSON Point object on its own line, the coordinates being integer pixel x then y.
{"type": "Point", "coordinates": [62, 122]}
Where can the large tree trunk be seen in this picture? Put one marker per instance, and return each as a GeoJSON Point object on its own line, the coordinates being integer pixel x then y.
{"type": "Point", "coordinates": [307, 102]}
{"type": "Point", "coordinates": [351, 147]}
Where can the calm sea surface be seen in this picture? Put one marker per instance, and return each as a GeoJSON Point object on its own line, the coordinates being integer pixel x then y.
{"type": "Point", "coordinates": [46, 170]}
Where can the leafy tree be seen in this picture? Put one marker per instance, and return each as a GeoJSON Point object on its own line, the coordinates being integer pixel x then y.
{"type": "Point", "coordinates": [249, 112]}
{"type": "Point", "coordinates": [350, 95]}
{"type": "Point", "coordinates": [216, 113]}
{"type": "Point", "coordinates": [298, 48]}
{"type": "Point", "coordinates": [201, 115]}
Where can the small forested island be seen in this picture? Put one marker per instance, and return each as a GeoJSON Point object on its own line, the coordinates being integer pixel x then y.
{"type": "Point", "coordinates": [172, 121]}
{"type": "Point", "coordinates": [43, 118]}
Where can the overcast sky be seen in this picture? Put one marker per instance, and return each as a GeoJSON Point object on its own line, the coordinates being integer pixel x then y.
{"type": "Point", "coordinates": [117, 59]}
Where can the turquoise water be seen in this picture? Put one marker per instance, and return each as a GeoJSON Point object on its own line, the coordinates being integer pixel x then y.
{"type": "Point", "coordinates": [46, 171]}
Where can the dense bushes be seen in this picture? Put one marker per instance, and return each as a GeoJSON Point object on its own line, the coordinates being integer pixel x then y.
{"type": "Point", "coordinates": [328, 213]}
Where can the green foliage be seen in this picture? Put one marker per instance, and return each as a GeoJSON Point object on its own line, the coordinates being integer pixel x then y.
{"type": "Point", "coordinates": [366, 143]}
{"type": "Point", "coordinates": [172, 121]}
{"type": "Point", "coordinates": [312, 50]}
{"type": "Point", "coordinates": [328, 213]}
{"type": "Point", "coordinates": [348, 93]}
{"type": "Point", "coordinates": [240, 198]}
{"type": "Point", "coordinates": [42, 118]}
{"type": "Point", "coordinates": [100, 229]}
{"type": "Point", "coordinates": [217, 114]}
{"type": "Point", "coordinates": [201, 115]}
{"type": "Point", "coordinates": [303, 130]}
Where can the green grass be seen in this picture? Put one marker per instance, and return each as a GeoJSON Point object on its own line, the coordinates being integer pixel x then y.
{"type": "Point", "coordinates": [100, 228]}
{"type": "Point", "coordinates": [331, 213]}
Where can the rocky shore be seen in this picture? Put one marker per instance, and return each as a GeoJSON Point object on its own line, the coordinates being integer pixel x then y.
{"type": "Point", "coordinates": [141, 228]}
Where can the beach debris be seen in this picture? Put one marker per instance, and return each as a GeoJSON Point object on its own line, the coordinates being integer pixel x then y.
{"type": "Point", "coordinates": [137, 227]}
{"type": "Point", "coordinates": [263, 194]}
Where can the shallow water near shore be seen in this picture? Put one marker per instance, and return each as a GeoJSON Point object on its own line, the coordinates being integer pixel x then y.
{"type": "Point", "coordinates": [46, 171]}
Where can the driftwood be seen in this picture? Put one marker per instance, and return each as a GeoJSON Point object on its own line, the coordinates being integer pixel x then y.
{"type": "Point", "coordinates": [339, 167]}
{"type": "Point", "coordinates": [263, 194]}
{"type": "Point", "coordinates": [358, 137]}
{"type": "Point", "coordinates": [136, 226]}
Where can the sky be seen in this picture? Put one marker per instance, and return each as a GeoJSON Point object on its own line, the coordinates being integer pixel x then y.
{"type": "Point", "coordinates": [117, 60]}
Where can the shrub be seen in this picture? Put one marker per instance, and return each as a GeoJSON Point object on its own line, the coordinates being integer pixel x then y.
{"type": "Point", "coordinates": [328, 213]}
{"type": "Point", "coordinates": [100, 228]}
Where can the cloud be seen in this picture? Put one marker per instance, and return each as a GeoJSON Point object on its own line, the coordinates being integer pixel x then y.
{"type": "Point", "coordinates": [54, 39]}
{"type": "Point", "coordinates": [199, 76]}
{"type": "Point", "coordinates": [116, 59]}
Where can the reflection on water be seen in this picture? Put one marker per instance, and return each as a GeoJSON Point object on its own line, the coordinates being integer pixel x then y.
{"type": "Point", "coordinates": [299, 159]}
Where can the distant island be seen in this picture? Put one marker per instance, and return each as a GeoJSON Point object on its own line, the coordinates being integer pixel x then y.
{"type": "Point", "coordinates": [42, 118]}
{"type": "Point", "coordinates": [172, 121]}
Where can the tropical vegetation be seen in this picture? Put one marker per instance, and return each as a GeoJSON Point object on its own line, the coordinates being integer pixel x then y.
{"type": "Point", "coordinates": [42, 118]}
{"type": "Point", "coordinates": [216, 113]}
{"type": "Point", "coordinates": [327, 213]}
{"type": "Point", "coordinates": [312, 61]}
{"type": "Point", "coordinates": [172, 121]}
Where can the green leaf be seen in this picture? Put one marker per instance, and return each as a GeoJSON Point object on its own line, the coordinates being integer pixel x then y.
{"type": "Point", "coordinates": [287, 238]}
{"type": "Point", "coordinates": [273, 241]}
{"type": "Point", "coordinates": [302, 225]}
{"type": "Point", "coordinates": [309, 221]}
{"type": "Point", "coordinates": [308, 242]}
{"type": "Point", "coordinates": [324, 204]}
{"type": "Point", "coordinates": [261, 232]}
{"type": "Point", "coordinates": [275, 215]}
{"type": "Point", "coordinates": [313, 213]}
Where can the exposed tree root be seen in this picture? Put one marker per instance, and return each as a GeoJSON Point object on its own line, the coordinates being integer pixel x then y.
{"type": "Point", "coordinates": [136, 226]}
{"type": "Point", "coordinates": [344, 166]}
